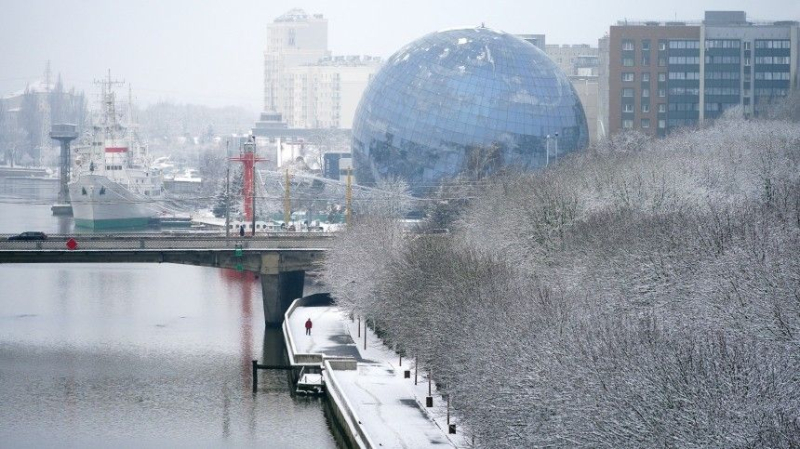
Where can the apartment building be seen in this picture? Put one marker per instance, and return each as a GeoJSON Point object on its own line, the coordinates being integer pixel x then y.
{"type": "Point", "coordinates": [666, 75]}
{"type": "Point", "coordinates": [303, 82]}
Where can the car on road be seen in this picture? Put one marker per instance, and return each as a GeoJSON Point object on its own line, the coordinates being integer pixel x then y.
{"type": "Point", "coordinates": [29, 235]}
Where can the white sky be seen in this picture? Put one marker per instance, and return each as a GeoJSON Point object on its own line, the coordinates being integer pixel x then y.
{"type": "Point", "coordinates": [211, 53]}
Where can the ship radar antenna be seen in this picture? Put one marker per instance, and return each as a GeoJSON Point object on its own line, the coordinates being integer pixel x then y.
{"type": "Point", "coordinates": [107, 101]}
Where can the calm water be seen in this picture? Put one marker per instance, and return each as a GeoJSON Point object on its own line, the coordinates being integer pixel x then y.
{"type": "Point", "coordinates": [139, 355]}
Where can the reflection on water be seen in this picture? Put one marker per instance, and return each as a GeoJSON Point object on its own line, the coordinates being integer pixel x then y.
{"type": "Point", "coordinates": [140, 354]}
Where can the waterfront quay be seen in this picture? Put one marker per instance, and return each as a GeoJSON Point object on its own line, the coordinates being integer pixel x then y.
{"type": "Point", "coordinates": [373, 397]}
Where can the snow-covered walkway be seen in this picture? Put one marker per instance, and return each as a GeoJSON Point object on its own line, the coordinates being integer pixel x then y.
{"type": "Point", "coordinates": [329, 334]}
{"type": "Point", "coordinates": [390, 408]}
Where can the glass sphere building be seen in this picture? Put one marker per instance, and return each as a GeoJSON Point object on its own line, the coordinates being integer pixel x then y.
{"type": "Point", "coordinates": [466, 101]}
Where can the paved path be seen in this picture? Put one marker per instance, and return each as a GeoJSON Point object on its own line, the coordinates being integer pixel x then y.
{"type": "Point", "coordinates": [329, 335]}
{"type": "Point", "coordinates": [389, 407]}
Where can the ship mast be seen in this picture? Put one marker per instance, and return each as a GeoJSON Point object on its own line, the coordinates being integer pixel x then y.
{"type": "Point", "coordinates": [109, 110]}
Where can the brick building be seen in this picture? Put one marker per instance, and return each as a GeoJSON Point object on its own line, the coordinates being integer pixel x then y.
{"type": "Point", "coordinates": [665, 75]}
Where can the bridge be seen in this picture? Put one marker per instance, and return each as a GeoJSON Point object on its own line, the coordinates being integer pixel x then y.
{"type": "Point", "coordinates": [280, 259]}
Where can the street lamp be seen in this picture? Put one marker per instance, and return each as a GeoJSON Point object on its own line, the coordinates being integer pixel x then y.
{"type": "Point", "coordinates": [547, 151]}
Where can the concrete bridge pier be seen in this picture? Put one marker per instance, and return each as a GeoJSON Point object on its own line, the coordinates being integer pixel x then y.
{"type": "Point", "coordinates": [278, 291]}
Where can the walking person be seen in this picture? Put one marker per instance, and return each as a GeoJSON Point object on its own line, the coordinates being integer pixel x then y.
{"type": "Point", "coordinates": [241, 231]}
{"type": "Point", "coordinates": [308, 326]}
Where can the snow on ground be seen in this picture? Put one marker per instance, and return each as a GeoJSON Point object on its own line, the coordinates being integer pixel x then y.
{"type": "Point", "coordinates": [329, 335]}
{"type": "Point", "coordinates": [390, 407]}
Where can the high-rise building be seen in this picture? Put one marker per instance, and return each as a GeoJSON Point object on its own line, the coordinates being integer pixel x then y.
{"type": "Point", "coordinates": [303, 82]}
{"type": "Point", "coordinates": [588, 89]}
{"type": "Point", "coordinates": [580, 63]}
{"type": "Point", "coordinates": [638, 56]}
{"type": "Point", "coordinates": [580, 59]}
{"type": "Point", "coordinates": [664, 75]}
{"type": "Point", "coordinates": [748, 64]}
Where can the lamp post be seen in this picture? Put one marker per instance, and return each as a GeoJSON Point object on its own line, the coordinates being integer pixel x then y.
{"type": "Point", "coordinates": [547, 151]}
{"type": "Point", "coordinates": [227, 189]}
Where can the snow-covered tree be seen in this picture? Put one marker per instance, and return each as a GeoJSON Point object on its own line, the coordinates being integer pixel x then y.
{"type": "Point", "coordinates": [641, 295]}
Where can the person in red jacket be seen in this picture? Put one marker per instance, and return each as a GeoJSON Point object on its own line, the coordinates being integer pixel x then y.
{"type": "Point", "coordinates": [308, 326]}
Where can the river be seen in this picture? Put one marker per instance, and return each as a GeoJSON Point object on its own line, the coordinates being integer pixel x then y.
{"type": "Point", "coordinates": [139, 355]}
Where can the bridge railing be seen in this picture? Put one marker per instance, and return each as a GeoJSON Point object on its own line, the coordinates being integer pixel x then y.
{"type": "Point", "coordinates": [159, 242]}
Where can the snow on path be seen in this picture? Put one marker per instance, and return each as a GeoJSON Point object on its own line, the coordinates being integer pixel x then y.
{"type": "Point", "coordinates": [329, 334]}
{"type": "Point", "coordinates": [391, 408]}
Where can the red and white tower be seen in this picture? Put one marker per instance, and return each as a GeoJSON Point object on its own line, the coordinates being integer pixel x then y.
{"type": "Point", "coordinates": [248, 158]}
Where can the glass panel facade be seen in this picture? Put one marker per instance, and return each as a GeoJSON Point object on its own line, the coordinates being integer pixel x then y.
{"type": "Point", "coordinates": [683, 83]}
{"type": "Point", "coordinates": [771, 72]}
{"type": "Point", "coordinates": [464, 101]}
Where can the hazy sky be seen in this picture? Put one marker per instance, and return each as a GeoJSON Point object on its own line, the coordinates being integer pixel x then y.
{"type": "Point", "coordinates": [212, 52]}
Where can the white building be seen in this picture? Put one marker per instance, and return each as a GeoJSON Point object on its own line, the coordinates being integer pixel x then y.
{"type": "Point", "coordinates": [580, 59]}
{"type": "Point", "coordinates": [303, 82]}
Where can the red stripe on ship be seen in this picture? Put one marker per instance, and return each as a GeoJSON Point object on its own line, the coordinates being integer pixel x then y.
{"type": "Point", "coordinates": [116, 149]}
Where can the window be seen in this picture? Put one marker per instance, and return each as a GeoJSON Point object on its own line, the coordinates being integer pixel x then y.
{"type": "Point", "coordinates": [627, 124]}
{"type": "Point", "coordinates": [662, 45]}
{"type": "Point", "coordinates": [645, 93]}
{"type": "Point", "coordinates": [627, 93]}
{"type": "Point", "coordinates": [646, 77]}
{"type": "Point", "coordinates": [646, 60]}
{"type": "Point", "coordinates": [686, 59]}
{"type": "Point", "coordinates": [662, 77]}
{"type": "Point", "coordinates": [722, 59]}
{"type": "Point", "coordinates": [646, 45]}
{"type": "Point", "coordinates": [773, 44]}
{"type": "Point", "coordinates": [722, 75]}
{"type": "Point", "coordinates": [662, 93]}
{"type": "Point", "coordinates": [662, 124]}
{"type": "Point", "coordinates": [627, 45]}
{"type": "Point", "coordinates": [628, 107]}
{"type": "Point", "coordinates": [682, 44]}
{"type": "Point", "coordinates": [746, 45]}
{"type": "Point", "coordinates": [645, 107]}
{"type": "Point", "coordinates": [662, 62]}
{"type": "Point", "coordinates": [627, 76]}
{"type": "Point", "coordinates": [722, 43]}
{"type": "Point", "coordinates": [627, 62]}
{"type": "Point", "coordinates": [662, 107]}
{"type": "Point", "coordinates": [645, 123]}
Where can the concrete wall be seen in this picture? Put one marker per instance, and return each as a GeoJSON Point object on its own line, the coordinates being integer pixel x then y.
{"type": "Point", "coordinates": [343, 412]}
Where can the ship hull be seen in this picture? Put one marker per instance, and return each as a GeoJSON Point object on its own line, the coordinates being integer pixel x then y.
{"type": "Point", "coordinates": [99, 203]}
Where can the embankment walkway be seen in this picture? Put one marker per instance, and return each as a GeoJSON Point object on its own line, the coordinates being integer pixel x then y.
{"type": "Point", "coordinates": [380, 406]}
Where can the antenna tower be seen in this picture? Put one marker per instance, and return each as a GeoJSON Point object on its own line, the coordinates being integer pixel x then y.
{"type": "Point", "coordinates": [107, 101]}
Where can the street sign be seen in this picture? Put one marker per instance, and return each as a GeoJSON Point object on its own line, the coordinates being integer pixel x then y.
{"type": "Point", "coordinates": [72, 244]}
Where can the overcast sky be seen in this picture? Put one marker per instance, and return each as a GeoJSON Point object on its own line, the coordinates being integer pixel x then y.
{"type": "Point", "coordinates": [211, 52]}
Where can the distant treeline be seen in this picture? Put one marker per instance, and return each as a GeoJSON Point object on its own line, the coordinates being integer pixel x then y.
{"type": "Point", "coordinates": [166, 120]}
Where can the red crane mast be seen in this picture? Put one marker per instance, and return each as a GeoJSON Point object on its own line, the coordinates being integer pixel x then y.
{"type": "Point", "coordinates": [248, 158]}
